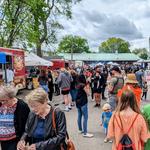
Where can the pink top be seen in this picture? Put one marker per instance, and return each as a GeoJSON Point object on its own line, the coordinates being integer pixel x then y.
{"type": "Point", "coordinates": [138, 133]}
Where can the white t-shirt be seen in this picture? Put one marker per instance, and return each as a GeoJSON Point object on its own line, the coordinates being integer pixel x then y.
{"type": "Point", "coordinates": [10, 75]}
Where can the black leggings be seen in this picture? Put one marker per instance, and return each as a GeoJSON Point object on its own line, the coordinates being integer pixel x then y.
{"type": "Point", "coordinates": [144, 95]}
{"type": "Point", "coordinates": [9, 145]}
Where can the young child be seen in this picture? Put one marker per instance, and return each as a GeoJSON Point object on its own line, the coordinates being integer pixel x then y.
{"type": "Point", "coordinates": [145, 89]}
{"type": "Point", "coordinates": [105, 117]}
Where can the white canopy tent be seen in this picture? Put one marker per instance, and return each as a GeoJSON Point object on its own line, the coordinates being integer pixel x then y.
{"type": "Point", "coordinates": [32, 59]}
{"type": "Point", "coordinates": [99, 64]}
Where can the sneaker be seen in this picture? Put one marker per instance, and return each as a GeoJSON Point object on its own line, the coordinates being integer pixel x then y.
{"type": "Point", "coordinates": [93, 100]}
{"type": "Point", "coordinates": [104, 98]}
{"type": "Point", "coordinates": [80, 132]}
{"type": "Point", "coordinates": [110, 141]}
{"type": "Point", "coordinates": [96, 105]}
{"type": "Point", "coordinates": [88, 135]}
{"type": "Point", "coordinates": [106, 140]}
{"type": "Point", "coordinates": [69, 108]}
{"type": "Point", "coordinates": [66, 109]}
{"type": "Point", "coordinates": [72, 104]}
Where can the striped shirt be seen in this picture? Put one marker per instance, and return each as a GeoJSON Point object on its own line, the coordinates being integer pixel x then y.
{"type": "Point", "coordinates": [7, 129]}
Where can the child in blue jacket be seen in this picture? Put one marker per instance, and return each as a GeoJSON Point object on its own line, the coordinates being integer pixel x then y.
{"type": "Point", "coordinates": [105, 117]}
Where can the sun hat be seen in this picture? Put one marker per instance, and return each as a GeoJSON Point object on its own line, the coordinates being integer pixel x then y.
{"type": "Point", "coordinates": [106, 107]}
{"type": "Point", "coordinates": [131, 78]}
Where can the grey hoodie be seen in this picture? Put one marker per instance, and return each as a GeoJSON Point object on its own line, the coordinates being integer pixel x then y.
{"type": "Point", "coordinates": [64, 80]}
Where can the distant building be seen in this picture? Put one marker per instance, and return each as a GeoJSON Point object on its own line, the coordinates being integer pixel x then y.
{"type": "Point", "coordinates": [100, 57]}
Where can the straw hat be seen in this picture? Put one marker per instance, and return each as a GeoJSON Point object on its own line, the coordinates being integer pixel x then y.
{"type": "Point", "coordinates": [106, 107]}
{"type": "Point", "coordinates": [131, 78]}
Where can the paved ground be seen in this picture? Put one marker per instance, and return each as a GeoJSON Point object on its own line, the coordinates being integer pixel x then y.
{"type": "Point", "coordinates": [95, 143]}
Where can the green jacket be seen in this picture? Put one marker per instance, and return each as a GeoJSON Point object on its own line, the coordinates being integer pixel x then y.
{"type": "Point", "coordinates": [146, 114]}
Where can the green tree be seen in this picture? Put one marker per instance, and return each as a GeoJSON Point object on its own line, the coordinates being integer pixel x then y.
{"type": "Point", "coordinates": [113, 45]}
{"type": "Point", "coordinates": [75, 44]}
{"type": "Point", "coordinates": [141, 52]}
{"type": "Point", "coordinates": [13, 15]}
{"type": "Point", "coordinates": [34, 23]}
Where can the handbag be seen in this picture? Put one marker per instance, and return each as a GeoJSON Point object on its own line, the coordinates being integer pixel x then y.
{"type": "Point", "coordinates": [70, 144]}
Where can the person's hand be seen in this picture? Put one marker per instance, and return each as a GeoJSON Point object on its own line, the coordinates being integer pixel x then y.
{"type": "Point", "coordinates": [101, 124]}
{"type": "Point", "coordinates": [32, 147]}
{"type": "Point", "coordinates": [21, 145]}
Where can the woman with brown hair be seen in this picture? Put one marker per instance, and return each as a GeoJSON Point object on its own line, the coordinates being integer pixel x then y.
{"type": "Point", "coordinates": [128, 119]}
{"type": "Point", "coordinates": [97, 82]}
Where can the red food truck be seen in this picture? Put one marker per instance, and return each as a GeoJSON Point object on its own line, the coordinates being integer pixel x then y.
{"type": "Point", "coordinates": [14, 60]}
{"type": "Point", "coordinates": [59, 63]}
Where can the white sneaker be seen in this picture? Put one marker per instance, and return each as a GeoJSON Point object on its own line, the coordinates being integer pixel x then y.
{"type": "Point", "coordinates": [93, 100]}
{"type": "Point", "coordinates": [70, 107]}
{"type": "Point", "coordinates": [80, 132]}
{"type": "Point", "coordinates": [66, 109]}
{"type": "Point", "coordinates": [106, 140]}
{"type": "Point", "coordinates": [88, 135]}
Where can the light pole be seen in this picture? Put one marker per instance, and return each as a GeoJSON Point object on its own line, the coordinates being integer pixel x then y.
{"type": "Point", "coordinates": [72, 53]}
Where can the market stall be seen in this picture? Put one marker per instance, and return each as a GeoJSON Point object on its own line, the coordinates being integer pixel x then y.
{"type": "Point", "coordinates": [34, 63]}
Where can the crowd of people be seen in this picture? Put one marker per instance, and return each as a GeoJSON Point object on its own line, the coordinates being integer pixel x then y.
{"type": "Point", "coordinates": [30, 125]}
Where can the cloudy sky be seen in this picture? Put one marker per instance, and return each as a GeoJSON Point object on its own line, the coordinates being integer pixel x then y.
{"type": "Point", "coordinates": [97, 20]}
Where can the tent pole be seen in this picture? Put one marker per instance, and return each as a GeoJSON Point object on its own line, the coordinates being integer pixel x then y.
{"type": "Point", "coordinates": [5, 73]}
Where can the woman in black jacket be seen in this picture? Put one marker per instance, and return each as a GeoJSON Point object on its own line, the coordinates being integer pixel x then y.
{"type": "Point", "coordinates": [97, 88]}
{"type": "Point", "coordinates": [13, 115]}
{"type": "Point", "coordinates": [39, 131]}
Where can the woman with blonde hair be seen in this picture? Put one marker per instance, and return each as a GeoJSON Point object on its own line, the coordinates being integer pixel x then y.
{"type": "Point", "coordinates": [128, 120]}
{"type": "Point", "coordinates": [13, 115]}
{"type": "Point", "coordinates": [39, 132]}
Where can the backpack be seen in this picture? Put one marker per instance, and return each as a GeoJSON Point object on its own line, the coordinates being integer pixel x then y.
{"type": "Point", "coordinates": [126, 142]}
{"type": "Point", "coordinates": [115, 90]}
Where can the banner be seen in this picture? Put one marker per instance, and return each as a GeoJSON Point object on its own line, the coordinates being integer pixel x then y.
{"type": "Point", "coordinates": [2, 58]}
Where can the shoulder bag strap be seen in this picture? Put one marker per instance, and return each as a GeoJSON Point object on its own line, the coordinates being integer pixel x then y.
{"type": "Point", "coordinates": [132, 123]}
{"type": "Point", "coordinates": [54, 123]}
{"type": "Point", "coordinates": [121, 127]}
{"type": "Point", "coordinates": [53, 120]}
{"type": "Point", "coordinates": [115, 84]}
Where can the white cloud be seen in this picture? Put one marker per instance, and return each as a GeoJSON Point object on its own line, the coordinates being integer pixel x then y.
{"type": "Point", "coordinates": [97, 20]}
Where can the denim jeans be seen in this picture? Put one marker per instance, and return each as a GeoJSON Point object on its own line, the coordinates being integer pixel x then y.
{"type": "Point", "coordinates": [113, 102]}
{"type": "Point", "coordinates": [45, 88]}
{"type": "Point", "coordinates": [73, 93]}
{"type": "Point", "coordinates": [83, 111]}
{"type": "Point", "coordinates": [9, 145]}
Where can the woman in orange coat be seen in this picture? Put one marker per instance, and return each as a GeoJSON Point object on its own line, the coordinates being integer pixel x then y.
{"type": "Point", "coordinates": [127, 116]}
{"type": "Point", "coordinates": [132, 84]}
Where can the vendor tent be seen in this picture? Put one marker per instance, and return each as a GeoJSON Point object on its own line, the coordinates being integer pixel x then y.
{"type": "Point", "coordinates": [32, 59]}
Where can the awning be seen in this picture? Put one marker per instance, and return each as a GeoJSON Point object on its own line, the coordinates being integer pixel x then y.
{"type": "Point", "coordinates": [32, 59]}
{"type": "Point", "coordinates": [2, 58]}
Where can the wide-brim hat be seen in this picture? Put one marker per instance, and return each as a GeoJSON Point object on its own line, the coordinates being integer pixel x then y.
{"type": "Point", "coordinates": [106, 107]}
{"type": "Point", "coordinates": [131, 78]}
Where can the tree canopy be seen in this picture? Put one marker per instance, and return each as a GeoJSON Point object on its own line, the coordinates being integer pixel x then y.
{"type": "Point", "coordinates": [32, 23]}
{"type": "Point", "coordinates": [113, 45]}
{"type": "Point", "coordinates": [75, 44]}
{"type": "Point", "coordinates": [141, 52]}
